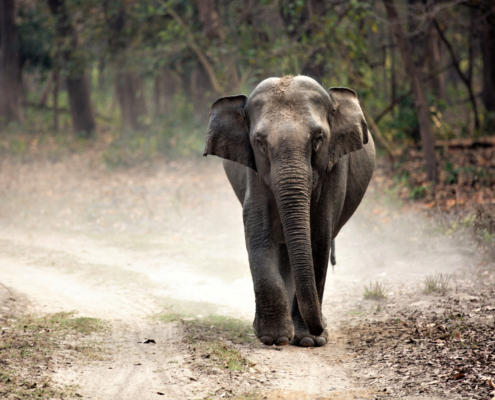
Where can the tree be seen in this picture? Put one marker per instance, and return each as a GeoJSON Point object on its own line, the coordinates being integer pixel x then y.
{"type": "Point", "coordinates": [77, 80]}
{"type": "Point", "coordinates": [212, 32]}
{"type": "Point", "coordinates": [420, 102]}
{"type": "Point", "coordinates": [10, 74]}
{"type": "Point", "coordinates": [487, 37]}
{"type": "Point", "coordinates": [129, 85]}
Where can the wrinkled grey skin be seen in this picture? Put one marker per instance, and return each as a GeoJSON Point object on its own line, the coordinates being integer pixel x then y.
{"type": "Point", "coordinates": [299, 159]}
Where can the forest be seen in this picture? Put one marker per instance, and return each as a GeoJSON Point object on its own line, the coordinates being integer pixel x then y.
{"type": "Point", "coordinates": [123, 265]}
{"type": "Point", "coordinates": [142, 74]}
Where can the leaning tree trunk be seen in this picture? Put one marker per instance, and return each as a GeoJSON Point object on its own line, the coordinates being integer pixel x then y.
{"type": "Point", "coordinates": [421, 105]}
{"type": "Point", "coordinates": [212, 31]}
{"type": "Point", "coordinates": [78, 85]}
{"type": "Point", "coordinates": [10, 85]}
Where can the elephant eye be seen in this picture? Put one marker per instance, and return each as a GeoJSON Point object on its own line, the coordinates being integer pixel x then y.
{"type": "Point", "coordinates": [261, 146]}
{"type": "Point", "coordinates": [318, 142]}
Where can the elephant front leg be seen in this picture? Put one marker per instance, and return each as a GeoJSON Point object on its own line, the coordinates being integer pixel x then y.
{"type": "Point", "coordinates": [273, 322]}
{"type": "Point", "coordinates": [321, 253]}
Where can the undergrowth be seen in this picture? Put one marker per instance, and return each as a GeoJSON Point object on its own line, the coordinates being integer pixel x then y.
{"type": "Point", "coordinates": [437, 283]}
{"type": "Point", "coordinates": [177, 134]}
{"type": "Point", "coordinates": [31, 344]}
{"type": "Point", "coordinates": [375, 291]}
{"type": "Point", "coordinates": [211, 337]}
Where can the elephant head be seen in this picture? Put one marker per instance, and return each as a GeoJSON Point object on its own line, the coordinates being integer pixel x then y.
{"type": "Point", "coordinates": [290, 131]}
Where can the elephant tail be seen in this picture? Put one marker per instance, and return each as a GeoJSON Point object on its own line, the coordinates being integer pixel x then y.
{"type": "Point", "coordinates": [332, 254]}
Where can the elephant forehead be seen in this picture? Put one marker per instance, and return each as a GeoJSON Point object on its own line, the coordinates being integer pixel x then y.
{"type": "Point", "coordinates": [284, 97]}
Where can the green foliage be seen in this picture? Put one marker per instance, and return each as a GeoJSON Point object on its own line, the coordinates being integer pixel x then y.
{"type": "Point", "coordinates": [36, 36]}
{"type": "Point", "coordinates": [176, 134]}
{"type": "Point", "coordinates": [340, 44]}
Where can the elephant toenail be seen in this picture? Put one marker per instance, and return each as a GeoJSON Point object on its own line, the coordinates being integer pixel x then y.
{"type": "Point", "coordinates": [307, 342]}
{"type": "Point", "coordinates": [266, 340]}
{"type": "Point", "coordinates": [321, 341]}
{"type": "Point", "coordinates": [282, 341]}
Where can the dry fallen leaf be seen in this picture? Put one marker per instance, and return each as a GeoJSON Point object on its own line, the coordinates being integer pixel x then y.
{"type": "Point", "coordinates": [460, 375]}
{"type": "Point", "coordinates": [457, 336]}
{"type": "Point", "coordinates": [491, 384]}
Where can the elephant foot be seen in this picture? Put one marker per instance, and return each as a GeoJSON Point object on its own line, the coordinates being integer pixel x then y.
{"type": "Point", "coordinates": [271, 332]}
{"type": "Point", "coordinates": [304, 339]}
{"type": "Point", "coordinates": [281, 341]}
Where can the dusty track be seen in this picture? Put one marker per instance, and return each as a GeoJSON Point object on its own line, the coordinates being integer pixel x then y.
{"type": "Point", "coordinates": [122, 245]}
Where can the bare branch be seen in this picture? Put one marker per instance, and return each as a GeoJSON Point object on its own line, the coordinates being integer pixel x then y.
{"type": "Point", "coordinates": [194, 47]}
{"type": "Point", "coordinates": [464, 78]}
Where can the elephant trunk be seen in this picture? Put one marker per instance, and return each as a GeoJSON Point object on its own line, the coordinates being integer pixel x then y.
{"type": "Point", "coordinates": [292, 189]}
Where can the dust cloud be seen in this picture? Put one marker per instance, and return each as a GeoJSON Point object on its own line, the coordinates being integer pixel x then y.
{"type": "Point", "coordinates": [125, 245]}
{"type": "Point", "coordinates": [174, 231]}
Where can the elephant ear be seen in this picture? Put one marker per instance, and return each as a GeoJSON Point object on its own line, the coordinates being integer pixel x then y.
{"type": "Point", "coordinates": [228, 134]}
{"type": "Point", "coordinates": [348, 128]}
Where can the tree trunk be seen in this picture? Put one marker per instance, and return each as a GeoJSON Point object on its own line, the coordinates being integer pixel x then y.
{"type": "Point", "coordinates": [46, 91]}
{"type": "Point", "coordinates": [212, 31]}
{"type": "Point", "coordinates": [10, 85]}
{"type": "Point", "coordinates": [434, 61]}
{"type": "Point", "coordinates": [56, 88]}
{"type": "Point", "coordinates": [465, 79]}
{"type": "Point", "coordinates": [78, 85]}
{"type": "Point", "coordinates": [420, 102]}
{"type": "Point", "coordinates": [130, 93]}
{"type": "Point", "coordinates": [393, 80]}
{"type": "Point", "coordinates": [129, 86]}
{"type": "Point", "coordinates": [487, 37]}
{"type": "Point", "coordinates": [166, 87]}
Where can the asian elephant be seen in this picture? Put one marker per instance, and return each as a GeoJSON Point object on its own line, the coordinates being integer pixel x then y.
{"type": "Point", "coordinates": [299, 159]}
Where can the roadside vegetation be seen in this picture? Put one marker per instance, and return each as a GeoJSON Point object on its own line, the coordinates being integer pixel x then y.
{"type": "Point", "coordinates": [212, 339]}
{"type": "Point", "coordinates": [437, 283]}
{"type": "Point", "coordinates": [444, 349]}
{"type": "Point", "coordinates": [375, 291]}
{"type": "Point", "coordinates": [31, 346]}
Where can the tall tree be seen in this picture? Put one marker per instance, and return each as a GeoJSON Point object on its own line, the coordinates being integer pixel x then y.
{"type": "Point", "coordinates": [487, 36]}
{"type": "Point", "coordinates": [434, 62]}
{"type": "Point", "coordinates": [10, 74]}
{"type": "Point", "coordinates": [129, 85]}
{"type": "Point", "coordinates": [77, 81]}
{"type": "Point", "coordinates": [420, 103]}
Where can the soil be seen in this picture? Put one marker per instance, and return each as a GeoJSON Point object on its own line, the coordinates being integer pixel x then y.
{"type": "Point", "coordinates": [128, 245]}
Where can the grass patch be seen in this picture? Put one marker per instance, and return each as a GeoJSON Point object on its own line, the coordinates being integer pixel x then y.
{"type": "Point", "coordinates": [29, 344]}
{"type": "Point", "coordinates": [62, 322]}
{"type": "Point", "coordinates": [207, 337]}
{"type": "Point", "coordinates": [210, 337]}
{"type": "Point", "coordinates": [438, 283]}
{"type": "Point", "coordinates": [224, 356]}
{"type": "Point", "coordinates": [375, 291]}
{"type": "Point", "coordinates": [245, 396]}
{"type": "Point", "coordinates": [178, 310]}
{"type": "Point", "coordinates": [215, 327]}
{"type": "Point", "coordinates": [250, 396]}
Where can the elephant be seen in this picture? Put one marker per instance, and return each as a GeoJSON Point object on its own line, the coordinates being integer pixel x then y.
{"type": "Point", "coordinates": [299, 159]}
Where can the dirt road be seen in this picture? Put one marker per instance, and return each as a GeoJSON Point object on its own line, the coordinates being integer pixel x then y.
{"type": "Point", "coordinates": [126, 245]}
